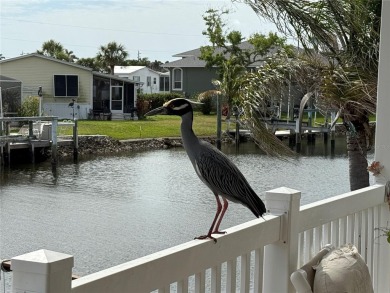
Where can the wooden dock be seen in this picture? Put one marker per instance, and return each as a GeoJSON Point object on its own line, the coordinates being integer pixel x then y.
{"type": "Point", "coordinates": [37, 133]}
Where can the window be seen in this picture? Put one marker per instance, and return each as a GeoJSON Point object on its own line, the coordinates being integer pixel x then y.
{"type": "Point", "coordinates": [148, 80]}
{"type": "Point", "coordinates": [164, 83]}
{"type": "Point", "coordinates": [154, 80]}
{"type": "Point", "coordinates": [177, 78]}
{"type": "Point", "coordinates": [136, 78]}
{"type": "Point", "coordinates": [66, 86]}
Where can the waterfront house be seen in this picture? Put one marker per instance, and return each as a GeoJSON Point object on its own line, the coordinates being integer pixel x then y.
{"type": "Point", "coordinates": [148, 80]}
{"type": "Point", "coordinates": [190, 76]}
{"type": "Point", "coordinates": [58, 83]}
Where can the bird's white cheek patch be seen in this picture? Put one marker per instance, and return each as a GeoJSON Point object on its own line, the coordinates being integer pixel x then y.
{"type": "Point", "coordinates": [180, 107]}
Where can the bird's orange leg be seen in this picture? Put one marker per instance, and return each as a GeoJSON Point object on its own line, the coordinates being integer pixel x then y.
{"type": "Point", "coordinates": [219, 208]}
{"type": "Point", "coordinates": [216, 228]}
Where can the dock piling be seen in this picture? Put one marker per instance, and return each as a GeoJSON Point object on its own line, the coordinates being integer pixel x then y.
{"type": "Point", "coordinates": [2, 162]}
{"type": "Point", "coordinates": [30, 129]}
{"type": "Point", "coordinates": [54, 124]}
{"type": "Point", "coordinates": [32, 152]}
{"type": "Point", "coordinates": [75, 142]}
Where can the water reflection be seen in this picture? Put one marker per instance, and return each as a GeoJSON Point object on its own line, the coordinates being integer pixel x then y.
{"type": "Point", "coordinates": [109, 210]}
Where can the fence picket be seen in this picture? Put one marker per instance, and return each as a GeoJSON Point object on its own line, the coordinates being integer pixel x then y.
{"type": "Point", "coordinates": [317, 239]}
{"type": "Point", "coordinates": [334, 229]}
{"type": "Point", "coordinates": [350, 228]}
{"type": "Point", "coordinates": [327, 234]}
{"type": "Point", "coordinates": [258, 271]}
{"type": "Point", "coordinates": [363, 234]}
{"type": "Point", "coordinates": [370, 238]}
{"type": "Point", "coordinates": [301, 249]}
{"type": "Point", "coordinates": [342, 230]}
{"type": "Point", "coordinates": [200, 282]}
{"type": "Point", "coordinates": [215, 282]}
{"type": "Point", "coordinates": [231, 275]}
{"type": "Point", "coordinates": [357, 237]}
{"type": "Point", "coordinates": [245, 273]}
{"type": "Point", "coordinates": [182, 286]}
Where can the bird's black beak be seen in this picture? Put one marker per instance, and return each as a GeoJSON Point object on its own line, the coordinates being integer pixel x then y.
{"type": "Point", "coordinates": [158, 111]}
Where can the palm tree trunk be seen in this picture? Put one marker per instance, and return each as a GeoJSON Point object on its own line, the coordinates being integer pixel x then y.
{"type": "Point", "coordinates": [357, 155]}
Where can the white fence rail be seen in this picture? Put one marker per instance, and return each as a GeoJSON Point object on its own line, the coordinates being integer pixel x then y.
{"type": "Point", "coordinates": [257, 256]}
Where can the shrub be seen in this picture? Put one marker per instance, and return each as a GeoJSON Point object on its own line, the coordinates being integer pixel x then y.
{"type": "Point", "coordinates": [146, 102]}
{"type": "Point", "coordinates": [207, 98]}
{"type": "Point", "coordinates": [29, 107]}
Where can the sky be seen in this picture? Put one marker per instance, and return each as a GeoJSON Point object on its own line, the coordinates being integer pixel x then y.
{"type": "Point", "coordinates": [153, 29]}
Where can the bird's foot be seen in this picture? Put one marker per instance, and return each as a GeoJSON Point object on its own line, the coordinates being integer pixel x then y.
{"type": "Point", "coordinates": [218, 232]}
{"type": "Point", "coordinates": [208, 236]}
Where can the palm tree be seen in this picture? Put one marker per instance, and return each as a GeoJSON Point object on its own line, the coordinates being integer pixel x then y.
{"type": "Point", "coordinates": [70, 55]}
{"type": "Point", "coordinates": [55, 49]}
{"type": "Point", "coordinates": [347, 32]}
{"type": "Point", "coordinates": [91, 63]}
{"type": "Point", "coordinates": [112, 54]}
{"type": "Point", "coordinates": [51, 48]}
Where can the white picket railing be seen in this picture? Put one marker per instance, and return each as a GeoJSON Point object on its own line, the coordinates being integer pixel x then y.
{"type": "Point", "coordinates": [257, 256]}
{"type": "Point", "coordinates": [354, 218]}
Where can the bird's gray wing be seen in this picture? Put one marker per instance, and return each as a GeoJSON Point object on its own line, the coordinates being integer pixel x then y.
{"type": "Point", "coordinates": [224, 178]}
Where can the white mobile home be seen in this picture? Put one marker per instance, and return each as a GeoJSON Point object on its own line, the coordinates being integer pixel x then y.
{"type": "Point", "coordinates": [148, 80]}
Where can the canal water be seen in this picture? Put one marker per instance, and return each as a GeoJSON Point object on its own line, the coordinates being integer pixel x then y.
{"type": "Point", "coordinates": [108, 210]}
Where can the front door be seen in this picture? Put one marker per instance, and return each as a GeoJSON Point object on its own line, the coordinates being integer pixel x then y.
{"type": "Point", "coordinates": [117, 99]}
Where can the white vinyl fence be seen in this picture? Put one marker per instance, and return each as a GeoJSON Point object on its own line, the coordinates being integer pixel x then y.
{"type": "Point", "coordinates": [257, 256]}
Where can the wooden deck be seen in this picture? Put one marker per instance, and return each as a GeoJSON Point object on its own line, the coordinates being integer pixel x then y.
{"type": "Point", "coordinates": [38, 132]}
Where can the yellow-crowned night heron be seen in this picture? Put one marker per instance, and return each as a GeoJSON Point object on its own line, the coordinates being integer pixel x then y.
{"type": "Point", "coordinates": [212, 166]}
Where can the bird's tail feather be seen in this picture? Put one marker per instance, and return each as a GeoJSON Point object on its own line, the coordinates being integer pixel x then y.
{"type": "Point", "coordinates": [257, 206]}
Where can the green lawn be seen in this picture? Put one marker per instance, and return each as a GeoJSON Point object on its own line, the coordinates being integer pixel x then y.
{"type": "Point", "coordinates": [154, 126]}
{"type": "Point", "coordinates": [151, 127]}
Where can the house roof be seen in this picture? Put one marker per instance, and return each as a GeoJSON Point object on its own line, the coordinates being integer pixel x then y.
{"type": "Point", "coordinates": [47, 58]}
{"type": "Point", "coordinates": [195, 52]}
{"type": "Point", "coordinates": [127, 69]}
{"type": "Point", "coordinates": [191, 61]}
{"type": "Point", "coordinates": [132, 69]}
{"type": "Point", "coordinates": [8, 79]}
{"type": "Point", "coordinates": [105, 75]}
{"type": "Point", "coordinates": [191, 58]}
{"type": "Point", "coordinates": [68, 64]}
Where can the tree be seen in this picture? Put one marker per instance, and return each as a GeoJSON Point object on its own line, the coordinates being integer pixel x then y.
{"type": "Point", "coordinates": [91, 63]}
{"type": "Point", "coordinates": [71, 57]}
{"type": "Point", "coordinates": [156, 65]}
{"type": "Point", "coordinates": [54, 49]}
{"type": "Point", "coordinates": [228, 54]}
{"type": "Point", "coordinates": [231, 56]}
{"type": "Point", "coordinates": [110, 55]}
{"type": "Point", "coordinates": [347, 32]}
{"type": "Point", "coordinates": [273, 79]}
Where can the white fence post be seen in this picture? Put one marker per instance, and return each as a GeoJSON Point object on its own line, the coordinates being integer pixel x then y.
{"type": "Point", "coordinates": [42, 271]}
{"type": "Point", "coordinates": [280, 259]}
